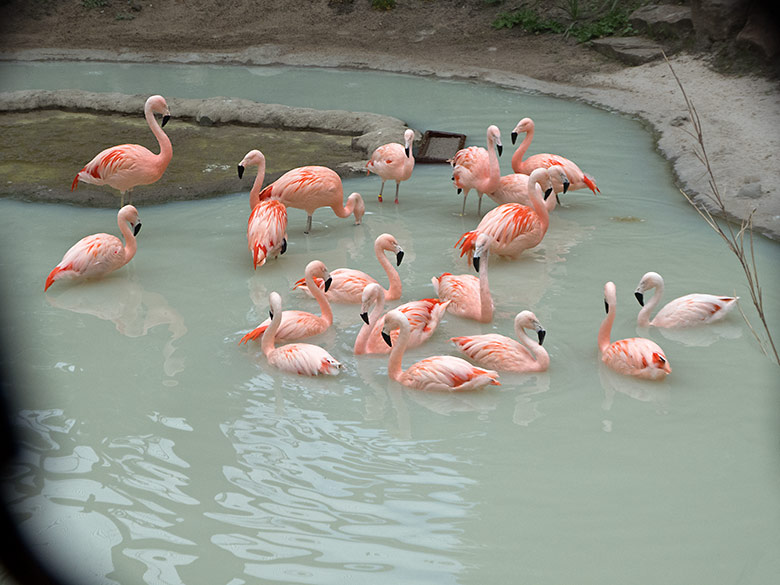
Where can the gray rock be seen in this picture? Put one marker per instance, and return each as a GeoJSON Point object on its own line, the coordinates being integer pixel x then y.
{"type": "Point", "coordinates": [629, 50]}
{"type": "Point", "coordinates": [664, 21]}
{"type": "Point", "coordinates": [718, 20]}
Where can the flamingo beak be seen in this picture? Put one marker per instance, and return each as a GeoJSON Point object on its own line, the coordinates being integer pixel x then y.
{"type": "Point", "coordinates": [386, 337]}
{"type": "Point", "coordinates": [284, 246]}
{"type": "Point", "coordinates": [475, 261]}
{"type": "Point", "coordinates": [541, 333]}
{"type": "Point", "coordinates": [547, 193]}
{"type": "Point", "coordinates": [640, 297]}
{"type": "Point", "coordinates": [137, 228]}
{"type": "Point", "coordinates": [165, 119]}
{"type": "Point", "coordinates": [240, 171]}
{"type": "Point", "coordinates": [406, 150]}
{"type": "Point", "coordinates": [606, 306]}
{"type": "Point", "coordinates": [500, 149]}
{"type": "Point", "coordinates": [271, 314]}
{"type": "Point", "coordinates": [328, 282]}
{"type": "Point", "coordinates": [566, 185]}
{"type": "Point", "coordinates": [364, 316]}
{"type": "Point", "coordinates": [514, 137]}
{"type": "Point", "coordinates": [398, 257]}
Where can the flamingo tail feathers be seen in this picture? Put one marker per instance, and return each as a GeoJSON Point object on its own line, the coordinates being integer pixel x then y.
{"type": "Point", "coordinates": [591, 184]}
{"type": "Point", "coordinates": [254, 334]}
{"type": "Point", "coordinates": [53, 276]}
{"type": "Point", "coordinates": [75, 183]}
{"type": "Point", "coordinates": [466, 242]}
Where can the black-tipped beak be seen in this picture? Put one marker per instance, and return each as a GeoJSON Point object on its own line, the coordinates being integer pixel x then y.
{"type": "Point", "coordinates": [514, 137]}
{"type": "Point", "coordinates": [640, 297]}
{"type": "Point", "coordinates": [386, 337]}
{"type": "Point", "coordinates": [500, 149]}
{"type": "Point", "coordinates": [547, 193]}
{"type": "Point", "coordinates": [271, 314]}
{"type": "Point", "coordinates": [475, 262]}
{"type": "Point", "coordinates": [240, 171]}
{"type": "Point", "coordinates": [137, 228]}
{"type": "Point", "coordinates": [407, 151]}
{"type": "Point", "coordinates": [460, 190]}
{"type": "Point", "coordinates": [165, 119]}
{"type": "Point", "coordinates": [328, 282]}
{"type": "Point", "coordinates": [566, 185]}
{"type": "Point", "coordinates": [606, 306]}
{"type": "Point", "coordinates": [398, 257]}
{"type": "Point", "coordinates": [541, 333]}
{"type": "Point", "coordinates": [284, 246]}
{"type": "Point", "coordinates": [364, 316]}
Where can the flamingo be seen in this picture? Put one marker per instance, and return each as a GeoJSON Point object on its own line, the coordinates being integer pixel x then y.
{"type": "Point", "coordinates": [578, 179]}
{"type": "Point", "coordinates": [439, 372]}
{"type": "Point", "coordinates": [311, 187]}
{"type": "Point", "coordinates": [393, 162]}
{"type": "Point", "coordinates": [504, 353]}
{"type": "Point", "coordinates": [266, 230]}
{"type": "Point", "coordinates": [513, 188]}
{"type": "Point", "coordinates": [636, 356]}
{"type": "Point", "coordinates": [424, 317]}
{"type": "Point", "coordinates": [514, 227]}
{"type": "Point", "coordinates": [348, 284]}
{"type": "Point", "coordinates": [127, 165]}
{"type": "Point", "coordinates": [477, 168]}
{"type": "Point", "coordinates": [687, 311]}
{"type": "Point", "coordinates": [99, 254]}
{"type": "Point", "coordinates": [469, 296]}
{"type": "Point", "coordinates": [304, 359]}
{"type": "Point", "coordinates": [301, 324]}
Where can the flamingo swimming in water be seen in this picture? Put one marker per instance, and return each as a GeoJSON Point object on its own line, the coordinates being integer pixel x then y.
{"type": "Point", "coordinates": [393, 162]}
{"type": "Point", "coordinates": [424, 317]}
{"type": "Point", "coordinates": [304, 359]}
{"type": "Point", "coordinates": [686, 311]}
{"type": "Point", "coordinates": [99, 254]}
{"type": "Point", "coordinates": [440, 372]}
{"type": "Point", "coordinates": [311, 187]}
{"type": "Point", "coordinates": [266, 230]}
{"type": "Point", "coordinates": [477, 168]}
{"type": "Point", "coordinates": [502, 353]}
{"type": "Point", "coordinates": [513, 227]}
{"type": "Point", "coordinates": [301, 324]}
{"type": "Point", "coordinates": [577, 178]}
{"type": "Point", "coordinates": [348, 284]}
{"type": "Point", "coordinates": [513, 188]}
{"type": "Point", "coordinates": [470, 296]}
{"type": "Point", "coordinates": [127, 165]}
{"type": "Point", "coordinates": [635, 356]}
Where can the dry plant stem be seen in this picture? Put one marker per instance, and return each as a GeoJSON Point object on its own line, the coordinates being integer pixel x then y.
{"type": "Point", "coordinates": [734, 240]}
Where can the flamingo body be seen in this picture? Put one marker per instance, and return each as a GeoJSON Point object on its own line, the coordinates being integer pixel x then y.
{"type": "Point", "coordinates": [469, 296]}
{"type": "Point", "coordinates": [266, 231]}
{"type": "Point", "coordinates": [477, 168]}
{"type": "Point", "coordinates": [436, 373]}
{"type": "Point", "coordinates": [99, 254]}
{"type": "Point", "coordinates": [393, 162]}
{"type": "Point", "coordinates": [128, 165]}
{"type": "Point", "coordinates": [686, 311]}
{"type": "Point", "coordinates": [513, 188]}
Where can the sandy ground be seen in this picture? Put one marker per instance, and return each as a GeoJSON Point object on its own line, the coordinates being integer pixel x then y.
{"type": "Point", "coordinates": [739, 115]}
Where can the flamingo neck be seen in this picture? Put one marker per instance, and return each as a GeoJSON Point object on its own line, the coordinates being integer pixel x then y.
{"type": "Point", "coordinates": [485, 300]}
{"type": "Point", "coordinates": [537, 351]}
{"type": "Point", "coordinates": [606, 327]}
{"type": "Point", "coordinates": [394, 370]}
{"type": "Point", "coordinates": [517, 157]}
{"type": "Point", "coordinates": [539, 204]}
{"type": "Point", "coordinates": [257, 186]}
{"type": "Point", "coordinates": [643, 319]}
{"type": "Point", "coordinates": [495, 169]}
{"type": "Point", "coordinates": [267, 343]}
{"type": "Point", "coordinates": [166, 150]}
{"type": "Point", "coordinates": [322, 300]}
{"type": "Point", "coordinates": [361, 341]}
{"type": "Point", "coordinates": [131, 244]}
{"type": "Point", "coordinates": [394, 291]}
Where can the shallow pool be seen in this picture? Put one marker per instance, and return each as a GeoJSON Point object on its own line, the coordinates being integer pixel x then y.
{"type": "Point", "coordinates": [157, 450]}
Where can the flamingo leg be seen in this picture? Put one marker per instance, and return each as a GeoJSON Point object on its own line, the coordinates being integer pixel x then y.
{"type": "Point", "coordinates": [381, 189]}
{"type": "Point", "coordinates": [463, 209]}
{"type": "Point", "coordinates": [308, 225]}
{"type": "Point", "coordinates": [397, 184]}
{"type": "Point", "coordinates": [479, 203]}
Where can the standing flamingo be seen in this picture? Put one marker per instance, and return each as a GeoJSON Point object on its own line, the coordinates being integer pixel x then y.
{"type": "Point", "coordinates": [503, 353]}
{"type": "Point", "coordinates": [266, 230]}
{"type": "Point", "coordinates": [301, 324]}
{"type": "Point", "coordinates": [477, 168]}
{"type": "Point", "coordinates": [127, 165]}
{"type": "Point", "coordinates": [348, 284]}
{"type": "Point", "coordinates": [636, 356]}
{"type": "Point", "coordinates": [470, 296]}
{"type": "Point", "coordinates": [304, 359]}
{"type": "Point", "coordinates": [393, 162]}
{"type": "Point", "coordinates": [439, 372]}
{"type": "Point", "coordinates": [578, 179]}
{"type": "Point", "coordinates": [514, 227]}
{"type": "Point", "coordinates": [687, 311]}
{"type": "Point", "coordinates": [311, 187]}
{"type": "Point", "coordinates": [424, 317]}
{"type": "Point", "coordinates": [99, 254]}
{"type": "Point", "coordinates": [513, 188]}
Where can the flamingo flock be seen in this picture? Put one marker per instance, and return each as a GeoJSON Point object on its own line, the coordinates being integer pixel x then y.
{"type": "Point", "coordinates": [518, 223]}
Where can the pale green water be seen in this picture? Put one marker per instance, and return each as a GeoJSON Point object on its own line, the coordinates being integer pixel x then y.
{"type": "Point", "coordinates": [159, 451]}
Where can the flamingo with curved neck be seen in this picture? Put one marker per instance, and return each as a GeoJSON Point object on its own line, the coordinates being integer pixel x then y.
{"type": "Point", "coordinates": [514, 189]}
{"type": "Point", "coordinates": [128, 165]}
{"type": "Point", "coordinates": [470, 296]}
{"type": "Point", "coordinates": [440, 372]}
{"type": "Point", "coordinates": [502, 353]}
{"type": "Point", "coordinates": [393, 162]}
{"type": "Point", "coordinates": [635, 356]}
{"type": "Point", "coordinates": [99, 254]}
{"type": "Point", "coordinates": [477, 168]}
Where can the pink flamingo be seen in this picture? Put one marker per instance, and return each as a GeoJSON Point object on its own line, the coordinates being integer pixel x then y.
{"type": "Point", "coordinates": [304, 359]}
{"type": "Point", "coordinates": [424, 317]}
{"type": "Point", "coordinates": [311, 187]}
{"type": "Point", "coordinates": [439, 372]}
{"type": "Point", "coordinates": [502, 353]}
{"type": "Point", "coordinates": [470, 296]}
{"type": "Point", "coordinates": [578, 179]}
{"type": "Point", "coordinates": [477, 168]}
{"type": "Point", "coordinates": [99, 254]}
{"type": "Point", "coordinates": [514, 227]}
{"type": "Point", "coordinates": [636, 356]}
{"type": "Point", "coordinates": [301, 324]}
{"type": "Point", "coordinates": [393, 162]}
{"type": "Point", "coordinates": [513, 188]}
{"type": "Point", "coordinates": [127, 165]}
{"type": "Point", "coordinates": [266, 230]}
{"type": "Point", "coordinates": [348, 284]}
{"type": "Point", "coordinates": [687, 311]}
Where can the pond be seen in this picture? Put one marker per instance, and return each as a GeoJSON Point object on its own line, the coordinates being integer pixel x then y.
{"type": "Point", "coordinates": [158, 450]}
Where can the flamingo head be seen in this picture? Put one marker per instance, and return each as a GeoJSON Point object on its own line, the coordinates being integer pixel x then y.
{"type": "Point", "coordinates": [494, 137]}
{"type": "Point", "coordinates": [524, 125]}
{"type": "Point", "coordinates": [408, 141]}
{"type": "Point", "coordinates": [252, 158]}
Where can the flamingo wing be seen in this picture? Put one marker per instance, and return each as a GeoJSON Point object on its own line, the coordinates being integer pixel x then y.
{"type": "Point", "coordinates": [497, 352]}
{"type": "Point", "coordinates": [638, 357]}
{"type": "Point", "coordinates": [294, 325]}
{"type": "Point", "coordinates": [266, 230]}
{"type": "Point", "coordinates": [304, 359]}
{"type": "Point", "coordinates": [694, 309]}
{"type": "Point", "coordinates": [388, 161]}
{"type": "Point", "coordinates": [447, 373]}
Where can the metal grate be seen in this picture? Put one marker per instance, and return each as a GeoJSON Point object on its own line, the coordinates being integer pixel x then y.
{"type": "Point", "coordinates": [439, 147]}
